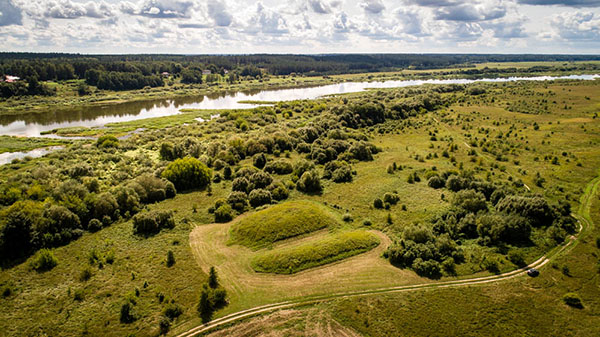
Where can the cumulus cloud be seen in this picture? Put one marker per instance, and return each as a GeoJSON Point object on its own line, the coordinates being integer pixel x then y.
{"type": "Point", "coordinates": [10, 14]}
{"type": "Point", "coordinates": [567, 3]}
{"type": "Point", "coordinates": [266, 21]}
{"type": "Point", "coordinates": [218, 12]}
{"type": "Point", "coordinates": [575, 26]}
{"type": "Point", "coordinates": [372, 6]}
{"type": "Point", "coordinates": [470, 13]}
{"type": "Point", "coordinates": [161, 9]}
{"type": "Point", "coordinates": [66, 9]}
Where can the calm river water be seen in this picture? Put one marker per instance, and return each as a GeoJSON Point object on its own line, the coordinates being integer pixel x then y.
{"type": "Point", "coordinates": [31, 125]}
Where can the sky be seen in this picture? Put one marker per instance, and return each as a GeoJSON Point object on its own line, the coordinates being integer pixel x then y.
{"type": "Point", "coordinates": [300, 26]}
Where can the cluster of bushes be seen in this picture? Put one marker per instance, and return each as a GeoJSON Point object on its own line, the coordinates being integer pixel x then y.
{"type": "Point", "coordinates": [426, 253]}
{"type": "Point", "coordinates": [389, 199]}
{"type": "Point", "coordinates": [152, 222]}
{"type": "Point", "coordinates": [42, 218]}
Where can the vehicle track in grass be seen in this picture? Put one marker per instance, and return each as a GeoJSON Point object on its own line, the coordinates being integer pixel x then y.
{"type": "Point", "coordinates": [583, 217]}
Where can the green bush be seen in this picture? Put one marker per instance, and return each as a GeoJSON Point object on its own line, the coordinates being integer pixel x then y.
{"type": "Point", "coordinates": [170, 258]}
{"type": "Point", "coordinates": [279, 166]}
{"type": "Point", "coordinates": [378, 203]}
{"type": "Point", "coordinates": [152, 222]}
{"type": "Point", "coordinates": [127, 315]}
{"type": "Point", "coordinates": [44, 260]}
{"type": "Point", "coordinates": [107, 141]}
{"type": "Point", "coordinates": [238, 200]}
{"type": "Point", "coordinates": [573, 300]}
{"type": "Point", "coordinates": [259, 197]}
{"type": "Point", "coordinates": [309, 182]}
{"type": "Point", "coordinates": [391, 198]}
{"type": "Point", "coordinates": [188, 173]}
{"type": "Point", "coordinates": [223, 213]}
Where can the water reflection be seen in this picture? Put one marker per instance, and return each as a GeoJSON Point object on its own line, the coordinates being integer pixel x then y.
{"type": "Point", "coordinates": [8, 157]}
{"type": "Point", "coordinates": [32, 125]}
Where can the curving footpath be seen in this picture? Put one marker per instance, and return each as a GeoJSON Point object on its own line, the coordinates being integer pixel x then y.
{"type": "Point", "coordinates": [583, 218]}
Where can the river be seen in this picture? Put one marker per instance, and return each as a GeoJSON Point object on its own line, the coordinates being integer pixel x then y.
{"type": "Point", "coordinates": [32, 125]}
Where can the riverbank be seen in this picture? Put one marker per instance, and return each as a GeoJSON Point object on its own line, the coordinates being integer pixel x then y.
{"type": "Point", "coordinates": [68, 98]}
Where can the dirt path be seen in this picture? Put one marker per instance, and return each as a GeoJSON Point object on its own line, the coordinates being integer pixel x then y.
{"type": "Point", "coordinates": [245, 286]}
{"type": "Point", "coordinates": [584, 224]}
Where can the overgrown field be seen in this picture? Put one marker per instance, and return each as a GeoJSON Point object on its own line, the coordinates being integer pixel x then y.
{"type": "Point", "coordinates": [455, 181]}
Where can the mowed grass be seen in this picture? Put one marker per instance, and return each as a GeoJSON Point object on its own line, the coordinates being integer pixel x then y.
{"type": "Point", "coordinates": [281, 222]}
{"type": "Point", "coordinates": [332, 248]}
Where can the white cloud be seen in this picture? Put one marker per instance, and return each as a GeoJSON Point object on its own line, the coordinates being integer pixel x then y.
{"type": "Point", "coordinates": [301, 26]}
{"type": "Point", "coordinates": [574, 26]}
{"type": "Point", "coordinates": [372, 6]}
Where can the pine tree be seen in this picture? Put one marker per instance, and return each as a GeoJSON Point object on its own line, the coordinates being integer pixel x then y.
{"type": "Point", "coordinates": [213, 281]}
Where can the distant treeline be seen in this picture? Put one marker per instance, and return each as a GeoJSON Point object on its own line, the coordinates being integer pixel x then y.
{"type": "Point", "coordinates": [125, 72]}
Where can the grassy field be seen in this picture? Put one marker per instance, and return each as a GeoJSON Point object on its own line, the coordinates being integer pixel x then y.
{"type": "Point", "coordinates": [281, 222]}
{"type": "Point", "coordinates": [314, 253]}
{"type": "Point", "coordinates": [17, 144]}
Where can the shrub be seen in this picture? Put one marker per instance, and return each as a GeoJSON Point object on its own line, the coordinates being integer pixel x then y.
{"type": "Point", "coordinates": [573, 300]}
{"type": "Point", "coordinates": [107, 141]}
{"type": "Point", "coordinates": [279, 166]}
{"type": "Point", "coordinates": [127, 315]}
{"type": "Point", "coordinates": [470, 200]}
{"type": "Point", "coordinates": [428, 268]}
{"type": "Point", "coordinates": [378, 203]}
{"type": "Point", "coordinates": [104, 204]}
{"type": "Point", "coordinates": [347, 217]}
{"type": "Point", "coordinates": [152, 222]}
{"type": "Point", "coordinates": [94, 225]}
{"type": "Point", "coordinates": [164, 325]}
{"type": "Point", "coordinates": [436, 182]}
{"type": "Point", "coordinates": [342, 174]}
{"type": "Point", "coordinates": [259, 197]}
{"type": "Point", "coordinates": [391, 198]}
{"type": "Point", "coordinates": [172, 311]}
{"type": "Point", "coordinates": [259, 160]}
{"type": "Point", "coordinates": [188, 173]}
{"type": "Point", "coordinates": [238, 200]}
{"type": "Point", "coordinates": [170, 258]}
{"type": "Point", "coordinates": [260, 180]}
{"type": "Point", "coordinates": [309, 182]}
{"type": "Point", "coordinates": [517, 257]}
{"type": "Point", "coordinates": [167, 152]}
{"type": "Point", "coordinates": [491, 264]}
{"type": "Point", "coordinates": [223, 213]}
{"type": "Point", "coordinates": [303, 166]}
{"type": "Point", "coordinates": [278, 191]}
{"type": "Point", "coordinates": [85, 274]}
{"type": "Point", "coordinates": [44, 261]}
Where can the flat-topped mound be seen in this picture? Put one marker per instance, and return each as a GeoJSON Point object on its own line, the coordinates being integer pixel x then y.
{"type": "Point", "coordinates": [281, 222]}
{"type": "Point", "coordinates": [315, 253]}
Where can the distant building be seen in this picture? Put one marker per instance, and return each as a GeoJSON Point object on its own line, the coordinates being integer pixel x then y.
{"type": "Point", "coordinates": [11, 79]}
{"type": "Point", "coordinates": [206, 72]}
{"type": "Point", "coordinates": [165, 74]}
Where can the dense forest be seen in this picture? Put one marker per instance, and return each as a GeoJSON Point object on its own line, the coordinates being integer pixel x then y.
{"type": "Point", "coordinates": [130, 72]}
